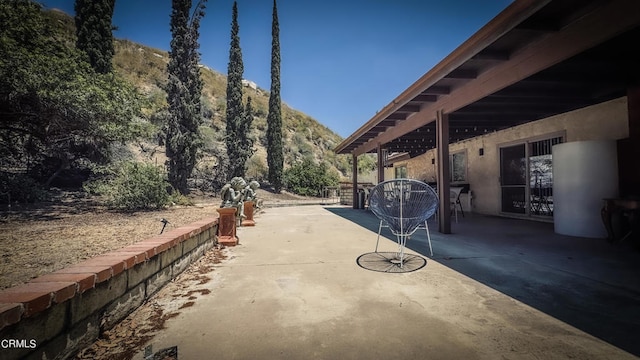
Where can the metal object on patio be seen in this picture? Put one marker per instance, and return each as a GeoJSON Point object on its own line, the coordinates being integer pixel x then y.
{"type": "Point", "coordinates": [164, 224]}
{"type": "Point", "coordinates": [455, 200]}
{"type": "Point", "coordinates": [387, 262]}
{"type": "Point", "coordinates": [403, 205]}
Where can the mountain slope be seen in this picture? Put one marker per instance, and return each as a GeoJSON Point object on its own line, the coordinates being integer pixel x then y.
{"type": "Point", "coordinates": [145, 67]}
{"type": "Point", "coordinates": [303, 135]}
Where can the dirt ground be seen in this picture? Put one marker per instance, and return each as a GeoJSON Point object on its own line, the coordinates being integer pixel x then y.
{"type": "Point", "coordinates": [37, 239]}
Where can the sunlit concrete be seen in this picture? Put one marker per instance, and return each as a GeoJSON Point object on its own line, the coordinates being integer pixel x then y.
{"type": "Point", "coordinates": [292, 290]}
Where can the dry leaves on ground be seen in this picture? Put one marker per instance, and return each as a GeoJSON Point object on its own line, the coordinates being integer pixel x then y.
{"type": "Point", "coordinates": [129, 336]}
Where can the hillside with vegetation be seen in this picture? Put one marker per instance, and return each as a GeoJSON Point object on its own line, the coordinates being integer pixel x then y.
{"type": "Point", "coordinates": [144, 70]}
{"type": "Point", "coordinates": [304, 137]}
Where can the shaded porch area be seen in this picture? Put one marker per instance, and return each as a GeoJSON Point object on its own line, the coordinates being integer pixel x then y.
{"type": "Point", "coordinates": [588, 283]}
{"type": "Point", "coordinates": [519, 82]}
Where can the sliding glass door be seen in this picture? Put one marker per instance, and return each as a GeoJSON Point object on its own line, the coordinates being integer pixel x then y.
{"type": "Point", "coordinates": [541, 176]}
{"type": "Point", "coordinates": [526, 177]}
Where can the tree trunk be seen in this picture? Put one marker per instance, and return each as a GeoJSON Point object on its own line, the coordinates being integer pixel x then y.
{"type": "Point", "coordinates": [64, 164]}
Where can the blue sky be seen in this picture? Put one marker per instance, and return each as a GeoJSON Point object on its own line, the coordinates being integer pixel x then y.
{"type": "Point", "coordinates": [342, 60]}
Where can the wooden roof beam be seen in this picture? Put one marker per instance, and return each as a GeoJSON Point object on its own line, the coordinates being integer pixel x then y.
{"type": "Point", "coordinates": [395, 116]}
{"type": "Point", "coordinates": [481, 109]}
{"type": "Point", "coordinates": [538, 25]}
{"type": "Point", "coordinates": [532, 93]}
{"type": "Point", "coordinates": [462, 74]}
{"type": "Point", "coordinates": [492, 55]}
{"type": "Point", "coordinates": [409, 109]}
{"type": "Point", "coordinates": [608, 20]}
{"type": "Point", "coordinates": [425, 98]}
{"type": "Point", "coordinates": [437, 90]}
{"type": "Point", "coordinates": [505, 21]}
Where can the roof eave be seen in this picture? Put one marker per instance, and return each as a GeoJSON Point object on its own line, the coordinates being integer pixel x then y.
{"type": "Point", "coordinates": [506, 20]}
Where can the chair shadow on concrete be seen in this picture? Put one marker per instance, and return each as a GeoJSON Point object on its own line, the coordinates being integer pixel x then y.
{"type": "Point", "coordinates": [587, 283]}
{"type": "Point", "coordinates": [387, 261]}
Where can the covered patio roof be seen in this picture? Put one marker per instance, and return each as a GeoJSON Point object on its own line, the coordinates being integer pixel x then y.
{"type": "Point", "coordinates": [533, 60]}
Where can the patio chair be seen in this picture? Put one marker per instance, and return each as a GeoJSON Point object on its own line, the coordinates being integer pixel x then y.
{"type": "Point", "coordinates": [455, 200]}
{"type": "Point", "coordinates": [403, 205]}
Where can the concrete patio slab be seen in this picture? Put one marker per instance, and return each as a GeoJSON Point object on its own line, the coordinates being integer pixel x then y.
{"type": "Point", "coordinates": [292, 290]}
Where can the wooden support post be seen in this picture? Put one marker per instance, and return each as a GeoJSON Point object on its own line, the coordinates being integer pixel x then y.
{"type": "Point", "coordinates": [628, 170]}
{"type": "Point", "coordinates": [355, 180]}
{"type": "Point", "coordinates": [380, 164]}
{"type": "Point", "coordinates": [633, 108]}
{"type": "Point", "coordinates": [442, 143]}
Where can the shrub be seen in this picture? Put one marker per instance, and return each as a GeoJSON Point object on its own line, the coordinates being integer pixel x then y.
{"type": "Point", "coordinates": [308, 179]}
{"type": "Point", "coordinates": [20, 188]}
{"type": "Point", "coordinates": [256, 168]}
{"type": "Point", "coordinates": [133, 186]}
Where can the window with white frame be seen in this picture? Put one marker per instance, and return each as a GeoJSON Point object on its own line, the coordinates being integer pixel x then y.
{"type": "Point", "coordinates": [401, 172]}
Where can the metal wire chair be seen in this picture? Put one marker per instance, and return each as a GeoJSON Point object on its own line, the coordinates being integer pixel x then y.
{"type": "Point", "coordinates": [403, 205]}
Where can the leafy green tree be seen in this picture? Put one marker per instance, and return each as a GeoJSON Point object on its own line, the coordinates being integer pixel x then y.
{"type": "Point", "coordinates": [366, 163]}
{"type": "Point", "coordinates": [57, 112]}
{"type": "Point", "coordinates": [307, 178]}
{"type": "Point", "coordinates": [235, 111]}
{"type": "Point", "coordinates": [93, 28]}
{"type": "Point", "coordinates": [184, 89]}
{"type": "Point", "coordinates": [275, 155]}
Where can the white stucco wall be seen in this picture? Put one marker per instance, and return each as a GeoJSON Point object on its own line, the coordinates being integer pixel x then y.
{"type": "Point", "coordinates": [606, 121]}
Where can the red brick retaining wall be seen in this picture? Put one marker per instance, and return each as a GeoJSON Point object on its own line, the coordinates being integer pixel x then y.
{"type": "Point", "coordinates": [58, 314]}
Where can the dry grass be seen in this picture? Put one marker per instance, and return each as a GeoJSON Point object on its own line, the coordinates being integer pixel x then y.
{"type": "Point", "coordinates": [42, 238]}
{"type": "Point", "coordinates": [37, 239]}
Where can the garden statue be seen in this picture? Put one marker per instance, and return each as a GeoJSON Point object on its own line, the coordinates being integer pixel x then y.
{"type": "Point", "coordinates": [250, 192]}
{"type": "Point", "coordinates": [250, 203]}
{"type": "Point", "coordinates": [232, 195]}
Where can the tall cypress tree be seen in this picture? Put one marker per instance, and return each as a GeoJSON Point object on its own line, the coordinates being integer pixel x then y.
{"type": "Point", "coordinates": [275, 156]}
{"type": "Point", "coordinates": [93, 29]}
{"type": "Point", "coordinates": [235, 115]}
{"type": "Point", "coordinates": [246, 141]}
{"type": "Point", "coordinates": [184, 89]}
